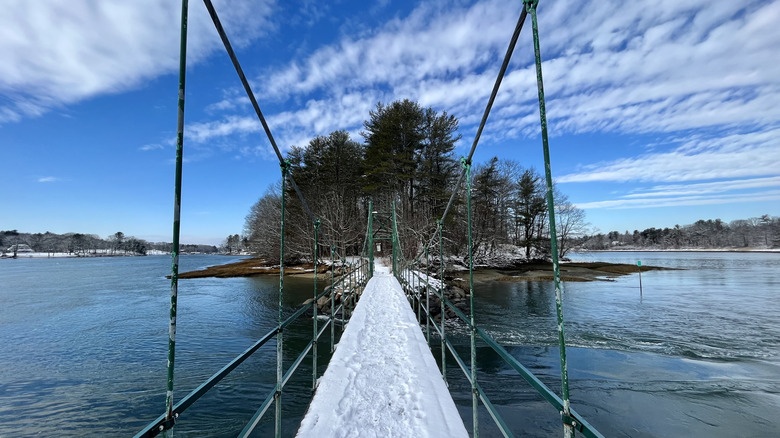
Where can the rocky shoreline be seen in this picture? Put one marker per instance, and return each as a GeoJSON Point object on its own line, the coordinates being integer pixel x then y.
{"type": "Point", "coordinates": [456, 281]}
{"type": "Point", "coordinates": [254, 266]}
{"type": "Point", "coordinates": [531, 271]}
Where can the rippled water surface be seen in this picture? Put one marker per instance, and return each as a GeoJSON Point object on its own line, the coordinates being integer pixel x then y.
{"type": "Point", "coordinates": [698, 354]}
{"type": "Point", "coordinates": [84, 345]}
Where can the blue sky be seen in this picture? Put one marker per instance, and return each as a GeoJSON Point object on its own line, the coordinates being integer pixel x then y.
{"type": "Point", "coordinates": [660, 113]}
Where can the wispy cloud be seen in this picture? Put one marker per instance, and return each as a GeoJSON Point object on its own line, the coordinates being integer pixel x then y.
{"type": "Point", "coordinates": [610, 67]}
{"type": "Point", "coordinates": [702, 76]}
{"type": "Point", "coordinates": [680, 201]}
{"type": "Point", "coordinates": [48, 179]}
{"type": "Point", "coordinates": [705, 188]}
{"type": "Point", "coordinates": [694, 194]}
{"type": "Point", "coordinates": [58, 52]}
{"type": "Point", "coordinates": [152, 147]}
{"type": "Point", "coordinates": [697, 158]}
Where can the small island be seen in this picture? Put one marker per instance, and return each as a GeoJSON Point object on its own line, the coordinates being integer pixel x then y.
{"type": "Point", "coordinates": [527, 271]}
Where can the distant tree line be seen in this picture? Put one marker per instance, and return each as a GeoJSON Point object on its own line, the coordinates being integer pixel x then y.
{"type": "Point", "coordinates": [233, 244]}
{"type": "Point", "coordinates": [757, 232]}
{"type": "Point", "coordinates": [90, 244]}
{"type": "Point", "coordinates": [406, 157]}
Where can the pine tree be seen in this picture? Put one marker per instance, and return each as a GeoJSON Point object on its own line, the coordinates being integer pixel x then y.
{"type": "Point", "coordinates": [394, 141]}
{"type": "Point", "coordinates": [530, 209]}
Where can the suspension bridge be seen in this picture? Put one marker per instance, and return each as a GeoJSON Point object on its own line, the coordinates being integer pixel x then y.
{"type": "Point", "coordinates": [385, 354]}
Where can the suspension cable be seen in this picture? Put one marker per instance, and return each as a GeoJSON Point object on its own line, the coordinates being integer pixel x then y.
{"type": "Point", "coordinates": [567, 420]}
{"type": "Point", "coordinates": [496, 86]}
{"type": "Point", "coordinates": [169, 416]}
{"type": "Point", "coordinates": [256, 106]}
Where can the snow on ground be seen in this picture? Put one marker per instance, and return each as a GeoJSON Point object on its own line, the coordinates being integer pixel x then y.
{"type": "Point", "coordinates": [43, 255]}
{"type": "Point", "coordinates": [37, 255]}
{"type": "Point", "coordinates": [420, 279]}
{"type": "Point", "coordinates": [382, 380]}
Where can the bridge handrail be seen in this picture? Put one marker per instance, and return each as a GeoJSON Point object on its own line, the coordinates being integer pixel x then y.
{"type": "Point", "coordinates": [408, 274]}
{"type": "Point", "coordinates": [548, 394]}
{"type": "Point", "coordinates": [570, 424]}
{"type": "Point", "coordinates": [363, 270]}
{"type": "Point", "coordinates": [172, 411]}
{"type": "Point", "coordinates": [153, 428]}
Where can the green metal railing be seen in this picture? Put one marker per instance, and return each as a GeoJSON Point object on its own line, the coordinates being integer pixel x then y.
{"type": "Point", "coordinates": [419, 286]}
{"type": "Point", "coordinates": [356, 272]}
{"type": "Point", "coordinates": [350, 285]}
{"type": "Point", "coordinates": [354, 275]}
{"type": "Point", "coordinates": [411, 278]}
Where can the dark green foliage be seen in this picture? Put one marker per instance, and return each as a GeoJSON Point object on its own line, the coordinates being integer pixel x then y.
{"type": "Point", "coordinates": [437, 168]}
{"type": "Point", "coordinates": [80, 244]}
{"type": "Point", "coordinates": [327, 171]}
{"type": "Point", "coordinates": [232, 244]}
{"type": "Point", "coordinates": [394, 139]}
{"type": "Point", "coordinates": [407, 159]}
{"type": "Point", "coordinates": [531, 210]}
{"type": "Point", "coordinates": [487, 184]}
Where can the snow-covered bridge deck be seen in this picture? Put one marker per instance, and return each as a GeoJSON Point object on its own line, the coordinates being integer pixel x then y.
{"type": "Point", "coordinates": [382, 380]}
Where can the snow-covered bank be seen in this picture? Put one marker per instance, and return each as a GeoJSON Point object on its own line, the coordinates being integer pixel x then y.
{"type": "Point", "coordinates": [36, 255]}
{"type": "Point", "coordinates": [626, 249]}
{"type": "Point", "coordinates": [382, 380]}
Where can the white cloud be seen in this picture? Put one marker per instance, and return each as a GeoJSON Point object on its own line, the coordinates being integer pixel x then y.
{"type": "Point", "coordinates": [431, 42]}
{"type": "Point", "coordinates": [610, 66]}
{"type": "Point", "coordinates": [674, 69]}
{"type": "Point", "coordinates": [697, 158]}
{"type": "Point", "coordinates": [316, 117]}
{"type": "Point", "coordinates": [152, 147]}
{"type": "Point", "coordinates": [706, 188]}
{"type": "Point", "coordinates": [47, 179]}
{"type": "Point", "coordinates": [338, 84]}
{"type": "Point", "coordinates": [680, 201]}
{"type": "Point", "coordinates": [58, 52]}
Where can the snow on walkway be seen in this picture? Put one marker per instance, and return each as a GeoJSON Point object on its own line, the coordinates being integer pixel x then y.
{"type": "Point", "coordinates": [382, 380]}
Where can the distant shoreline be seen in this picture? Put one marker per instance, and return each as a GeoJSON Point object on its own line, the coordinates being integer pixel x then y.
{"type": "Point", "coordinates": [762, 250]}
{"type": "Point", "coordinates": [531, 271]}
{"type": "Point", "coordinates": [253, 266]}
{"type": "Point", "coordinates": [65, 255]}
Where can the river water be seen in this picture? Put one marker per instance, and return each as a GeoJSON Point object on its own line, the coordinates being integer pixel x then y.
{"type": "Point", "coordinates": [83, 347]}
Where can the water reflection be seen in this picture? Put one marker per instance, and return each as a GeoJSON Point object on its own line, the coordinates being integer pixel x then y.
{"type": "Point", "coordinates": [700, 353]}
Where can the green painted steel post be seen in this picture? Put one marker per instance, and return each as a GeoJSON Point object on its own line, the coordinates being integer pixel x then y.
{"type": "Point", "coordinates": [567, 428]}
{"type": "Point", "coordinates": [415, 289]}
{"type": "Point", "coordinates": [343, 294]}
{"type": "Point", "coordinates": [370, 239]}
{"type": "Point", "coordinates": [395, 242]}
{"type": "Point", "coordinates": [351, 288]}
{"type": "Point", "coordinates": [427, 298]}
{"type": "Point", "coordinates": [348, 288]}
{"type": "Point", "coordinates": [474, 393]}
{"type": "Point", "coordinates": [314, 306]}
{"type": "Point", "coordinates": [332, 301]}
{"type": "Point", "coordinates": [176, 214]}
{"type": "Point", "coordinates": [440, 226]}
{"type": "Point", "coordinates": [280, 336]}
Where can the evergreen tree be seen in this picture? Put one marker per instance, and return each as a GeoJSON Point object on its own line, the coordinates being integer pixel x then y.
{"type": "Point", "coordinates": [408, 159]}
{"type": "Point", "coordinates": [530, 209]}
{"type": "Point", "coordinates": [486, 188]}
{"type": "Point", "coordinates": [437, 168]}
{"type": "Point", "coordinates": [394, 140]}
{"type": "Point", "coordinates": [326, 171]}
